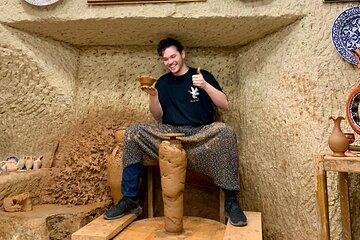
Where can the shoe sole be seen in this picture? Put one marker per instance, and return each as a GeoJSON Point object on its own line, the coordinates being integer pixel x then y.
{"type": "Point", "coordinates": [137, 210]}
{"type": "Point", "coordinates": [238, 224]}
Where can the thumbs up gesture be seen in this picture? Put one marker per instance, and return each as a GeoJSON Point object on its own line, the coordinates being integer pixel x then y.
{"type": "Point", "coordinates": [198, 79]}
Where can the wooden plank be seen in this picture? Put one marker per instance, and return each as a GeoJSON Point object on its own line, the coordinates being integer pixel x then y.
{"type": "Point", "coordinates": [342, 164]}
{"type": "Point", "coordinates": [150, 190]}
{"type": "Point", "coordinates": [101, 229]}
{"type": "Point", "coordinates": [147, 161]}
{"type": "Point", "coordinates": [344, 204]}
{"type": "Point", "coordinates": [253, 231]}
{"type": "Point", "coordinates": [222, 206]}
{"type": "Point", "coordinates": [321, 196]}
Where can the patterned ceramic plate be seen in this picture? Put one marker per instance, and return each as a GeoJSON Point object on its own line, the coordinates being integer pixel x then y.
{"type": "Point", "coordinates": [41, 2]}
{"type": "Point", "coordinates": [346, 33]}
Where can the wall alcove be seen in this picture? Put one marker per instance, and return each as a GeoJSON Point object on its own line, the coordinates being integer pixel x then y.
{"type": "Point", "coordinates": [85, 68]}
{"type": "Point", "coordinates": [141, 31]}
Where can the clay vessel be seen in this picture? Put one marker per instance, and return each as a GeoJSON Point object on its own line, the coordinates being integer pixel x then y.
{"type": "Point", "coordinates": [21, 163]}
{"type": "Point", "coordinates": [11, 167]}
{"type": "Point", "coordinates": [37, 163]}
{"type": "Point", "coordinates": [146, 80]}
{"type": "Point", "coordinates": [350, 137]}
{"type": "Point", "coordinates": [114, 166]}
{"type": "Point", "coordinates": [3, 167]}
{"type": "Point", "coordinates": [29, 163]}
{"type": "Point", "coordinates": [172, 162]}
{"type": "Point", "coordinates": [338, 143]}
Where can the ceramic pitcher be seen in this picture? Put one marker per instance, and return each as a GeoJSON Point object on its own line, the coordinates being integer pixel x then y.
{"type": "Point", "coordinates": [338, 143]}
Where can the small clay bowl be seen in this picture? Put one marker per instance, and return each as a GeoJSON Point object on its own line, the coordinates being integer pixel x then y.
{"type": "Point", "coordinates": [350, 137]}
{"type": "Point", "coordinates": [146, 80]}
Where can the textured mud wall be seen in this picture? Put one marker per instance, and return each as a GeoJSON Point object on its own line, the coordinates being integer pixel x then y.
{"type": "Point", "coordinates": [290, 83]}
{"type": "Point", "coordinates": [37, 78]}
{"type": "Point", "coordinates": [65, 102]}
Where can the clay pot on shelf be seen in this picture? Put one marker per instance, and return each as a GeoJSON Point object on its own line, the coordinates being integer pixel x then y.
{"type": "Point", "coordinates": [37, 163]}
{"type": "Point", "coordinates": [338, 142]}
{"type": "Point", "coordinates": [29, 163]}
{"type": "Point", "coordinates": [21, 163]}
{"type": "Point", "coordinates": [350, 137]}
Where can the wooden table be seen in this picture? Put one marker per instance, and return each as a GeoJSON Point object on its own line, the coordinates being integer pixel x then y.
{"type": "Point", "coordinates": [343, 165]}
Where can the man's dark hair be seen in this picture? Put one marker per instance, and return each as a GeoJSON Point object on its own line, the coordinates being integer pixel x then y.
{"type": "Point", "coordinates": [168, 42]}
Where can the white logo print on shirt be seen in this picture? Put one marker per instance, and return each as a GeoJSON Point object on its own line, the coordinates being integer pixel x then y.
{"type": "Point", "coordinates": [194, 92]}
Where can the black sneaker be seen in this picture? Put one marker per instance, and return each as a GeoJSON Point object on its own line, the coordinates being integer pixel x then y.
{"type": "Point", "coordinates": [125, 206]}
{"type": "Point", "coordinates": [235, 214]}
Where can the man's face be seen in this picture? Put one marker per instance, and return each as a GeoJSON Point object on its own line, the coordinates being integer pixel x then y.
{"type": "Point", "coordinates": [174, 60]}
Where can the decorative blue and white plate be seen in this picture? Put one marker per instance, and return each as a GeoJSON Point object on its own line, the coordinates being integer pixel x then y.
{"type": "Point", "coordinates": [346, 33]}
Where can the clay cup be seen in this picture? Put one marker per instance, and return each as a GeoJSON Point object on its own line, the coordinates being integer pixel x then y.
{"type": "Point", "coordinates": [146, 81]}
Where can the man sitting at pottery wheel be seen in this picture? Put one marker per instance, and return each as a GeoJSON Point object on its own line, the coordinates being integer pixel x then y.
{"type": "Point", "coordinates": [183, 100]}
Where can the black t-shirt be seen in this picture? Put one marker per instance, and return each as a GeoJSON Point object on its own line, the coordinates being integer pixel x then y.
{"type": "Point", "coordinates": [184, 104]}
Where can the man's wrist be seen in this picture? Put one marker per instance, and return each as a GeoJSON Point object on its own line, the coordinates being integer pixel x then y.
{"type": "Point", "coordinates": [205, 86]}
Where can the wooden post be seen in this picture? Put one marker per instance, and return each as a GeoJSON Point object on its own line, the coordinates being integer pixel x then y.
{"type": "Point", "coordinates": [150, 192]}
{"type": "Point", "coordinates": [344, 204]}
{"type": "Point", "coordinates": [322, 196]}
{"type": "Point", "coordinates": [222, 206]}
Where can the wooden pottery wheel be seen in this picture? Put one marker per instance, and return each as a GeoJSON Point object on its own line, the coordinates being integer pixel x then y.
{"type": "Point", "coordinates": [189, 228]}
{"type": "Point", "coordinates": [195, 228]}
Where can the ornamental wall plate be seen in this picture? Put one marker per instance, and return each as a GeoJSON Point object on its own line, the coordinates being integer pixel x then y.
{"type": "Point", "coordinates": [353, 109]}
{"type": "Point", "coordinates": [41, 2]}
{"type": "Point", "coordinates": [139, 1]}
{"type": "Point", "coordinates": [346, 33]}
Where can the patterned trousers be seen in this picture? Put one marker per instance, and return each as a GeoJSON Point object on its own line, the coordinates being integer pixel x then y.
{"type": "Point", "coordinates": [210, 149]}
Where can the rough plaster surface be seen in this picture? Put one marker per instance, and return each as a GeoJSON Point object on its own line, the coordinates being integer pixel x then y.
{"type": "Point", "coordinates": [282, 89]}
{"type": "Point", "coordinates": [287, 93]}
{"type": "Point", "coordinates": [37, 84]}
{"type": "Point", "coordinates": [204, 31]}
{"type": "Point", "coordinates": [196, 24]}
{"type": "Point", "coordinates": [29, 181]}
{"type": "Point", "coordinates": [47, 221]}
